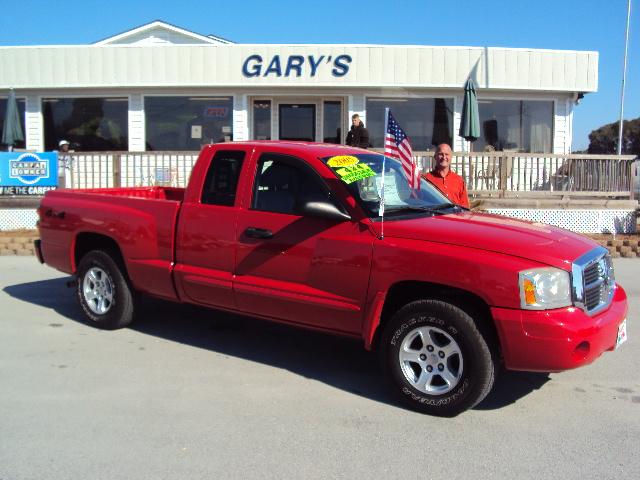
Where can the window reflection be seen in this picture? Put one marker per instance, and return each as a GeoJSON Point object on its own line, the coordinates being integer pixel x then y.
{"type": "Point", "coordinates": [332, 125]}
{"type": "Point", "coordinates": [262, 120]}
{"type": "Point", "coordinates": [3, 113]}
{"type": "Point", "coordinates": [427, 121]}
{"type": "Point", "coordinates": [187, 123]}
{"type": "Point", "coordinates": [298, 122]}
{"type": "Point", "coordinates": [221, 182]}
{"type": "Point", "coordinates": [515, 125]}
{"type": "Point", "coordinates": [89, 124]}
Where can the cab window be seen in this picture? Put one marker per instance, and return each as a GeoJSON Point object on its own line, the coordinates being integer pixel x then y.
{"type": "Point", "coordinates": [221, 182]}
{"type": "Point", "coordinates": [284, 182]}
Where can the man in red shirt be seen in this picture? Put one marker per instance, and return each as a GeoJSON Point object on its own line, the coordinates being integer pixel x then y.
{"type": "Point", "coordinates": [444, 179]}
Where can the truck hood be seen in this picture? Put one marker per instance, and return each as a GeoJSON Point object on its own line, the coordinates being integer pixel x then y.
{"type": "Point", "coordinates": [533, 241]}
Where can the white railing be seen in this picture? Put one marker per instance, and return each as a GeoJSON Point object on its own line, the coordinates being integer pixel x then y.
{"type": "Point", "coordinates": [508, 173]}
{"type": "Point", "coordinates": [486, 174]}
{"type": "Point", "coordinates": [130, 169]}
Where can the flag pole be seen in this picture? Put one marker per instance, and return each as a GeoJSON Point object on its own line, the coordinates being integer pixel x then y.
{"type": "Point", "coordinates": [384, 158]}
{"type": "Point", "coordinates": [624, 78]}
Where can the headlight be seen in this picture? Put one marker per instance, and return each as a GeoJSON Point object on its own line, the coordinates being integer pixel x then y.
{"type": "Point", "coordinates": [544, 288]}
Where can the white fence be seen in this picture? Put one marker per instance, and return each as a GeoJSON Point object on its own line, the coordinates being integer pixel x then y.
{"type": "Point", "coordinates": [497, 174]}
{"type": "Point", "coordinates": [486, 174]}
{"type": "Point", "coordinates": [102, 170]}
{"type": "Point", "coordinates": [503, 172]}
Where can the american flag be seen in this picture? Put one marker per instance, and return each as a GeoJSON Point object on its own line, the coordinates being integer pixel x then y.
{"type": "Point", "coordinates": [396, 145]}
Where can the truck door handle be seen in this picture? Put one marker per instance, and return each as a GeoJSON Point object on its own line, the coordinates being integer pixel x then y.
{"type": "Point", "coordinates": [261, 233]}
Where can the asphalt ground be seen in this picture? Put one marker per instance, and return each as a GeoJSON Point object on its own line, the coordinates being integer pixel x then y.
{"type": "Point", "coordinates": [192, 393]}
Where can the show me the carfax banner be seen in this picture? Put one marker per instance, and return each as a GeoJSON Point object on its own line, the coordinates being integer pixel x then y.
{"type": "Point", "coordinates": [28, 173]}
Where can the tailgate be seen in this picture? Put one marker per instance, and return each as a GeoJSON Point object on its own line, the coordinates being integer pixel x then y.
{"type": "Point", "coordinates": [142, 227]}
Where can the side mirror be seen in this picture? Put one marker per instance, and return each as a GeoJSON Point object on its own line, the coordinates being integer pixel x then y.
{"type": "Point", "coordinates": [323, 209]}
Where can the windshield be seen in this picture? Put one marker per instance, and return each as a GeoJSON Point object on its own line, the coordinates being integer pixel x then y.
{"type": "Point", "coordinates": [362, 174]}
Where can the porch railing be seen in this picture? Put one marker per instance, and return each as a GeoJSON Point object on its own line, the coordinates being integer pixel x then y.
{"type": "Point", "coordinates": [128, 169]}
{"type": "Point", "coordinates": [495, 174]}
{"type": "Point", "coordinates": [504, 174]}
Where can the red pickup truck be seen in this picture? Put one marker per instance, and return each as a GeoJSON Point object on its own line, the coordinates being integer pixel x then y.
{"type": "Point", "coordinates": [297, 233]}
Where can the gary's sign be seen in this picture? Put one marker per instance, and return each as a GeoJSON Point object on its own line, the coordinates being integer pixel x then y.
{"type": "Point", "coordinates": [28, 173]}
{"type": "Point", "coordinates": [295, 65]}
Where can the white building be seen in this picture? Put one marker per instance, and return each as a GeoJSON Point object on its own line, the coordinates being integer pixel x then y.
{"type": "Point", "coordinates": [160, 87]}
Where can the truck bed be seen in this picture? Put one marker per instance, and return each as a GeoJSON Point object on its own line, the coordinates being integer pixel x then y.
{"type": "Point", "coordinates": [141, 221]}
{"type": "Point", "coordinates": [156, 193]}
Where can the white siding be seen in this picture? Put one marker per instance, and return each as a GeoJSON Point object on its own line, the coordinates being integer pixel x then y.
{"type": "Point", "coordinates": [34, 135]}
{"type": "Point", "coordinates": [569, 135]}
{"type": "Point", "coordinates": [240, 118]}
{"type": "Point", "coordinates": [371, 66]}
{"type": "Point", "coordinates": [137, 132]}
{"type": "Point", "coordinates": [459, 143]}
{"type": "Point", "coordinates": [562, 126]}
{"type": "Point", "coordinates": [319, 117]}
{"type": "Point", "coordinates": [357, 104]}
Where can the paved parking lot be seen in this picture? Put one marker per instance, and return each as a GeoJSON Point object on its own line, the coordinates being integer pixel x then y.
{"type": "Point", "coordinates": [190, 393]}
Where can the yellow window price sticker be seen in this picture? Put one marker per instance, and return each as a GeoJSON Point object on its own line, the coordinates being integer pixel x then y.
{"type": "Point", "coordinates": [354, 173]}
{"type": "Point", "coordinates": [342, 161]}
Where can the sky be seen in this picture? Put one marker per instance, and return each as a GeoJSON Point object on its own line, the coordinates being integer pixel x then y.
{"type": "Point", "coordinates": [594, 25]}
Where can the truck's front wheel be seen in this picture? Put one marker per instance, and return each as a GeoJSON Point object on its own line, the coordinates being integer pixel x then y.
{"type": "Point", "coordinates": [103, 291]}
{"type": "Point", "coordinates": [435, 356]}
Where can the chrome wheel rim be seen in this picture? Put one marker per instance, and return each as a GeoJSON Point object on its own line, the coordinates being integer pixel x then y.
{"type": "Point", "coordinates": [431, 360]}
{"type": "Point", "coordinates": [97, 289]}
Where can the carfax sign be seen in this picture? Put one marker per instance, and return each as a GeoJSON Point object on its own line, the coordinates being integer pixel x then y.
{"type": "Point", "coordinates": [28, 173]}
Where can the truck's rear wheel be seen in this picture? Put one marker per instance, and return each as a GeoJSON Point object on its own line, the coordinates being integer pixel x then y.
{"type": "Point", "coordinates": [103, 291]}
{"type": "Point", "coordinates": [436, 358]}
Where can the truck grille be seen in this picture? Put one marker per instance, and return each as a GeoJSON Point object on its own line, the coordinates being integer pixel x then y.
{"type": "Point", "coordinates": [593, 281]}
{"type": "Point", "coordinates": [592, 273]}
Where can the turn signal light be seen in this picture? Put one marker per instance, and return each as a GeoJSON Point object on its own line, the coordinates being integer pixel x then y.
{"type": "Point", "coordinates": [529, 292]}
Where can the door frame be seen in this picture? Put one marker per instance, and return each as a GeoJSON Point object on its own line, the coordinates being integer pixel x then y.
{"type": "Point", "coordinates": [316, 99]}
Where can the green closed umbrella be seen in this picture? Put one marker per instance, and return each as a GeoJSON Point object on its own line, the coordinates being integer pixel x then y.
{"type": "Point", "coordinates": [470, 121]}
{"type": "Point", "coordinates": [12, 128]}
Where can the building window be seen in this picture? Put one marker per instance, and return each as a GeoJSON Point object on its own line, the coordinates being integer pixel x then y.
{"type": "Point", "coordinates": [427, 121]}
{"type": "Point", "coordinates": [515, 125]}
{"type": "Point", "coordinates": [332, 125]}
{"type": "Point", "coordinates": [187, 123]}
{"type": "Point", "coordinates": [297, 122]}
{"type": "Point", "coordinates": [89, 124]}
{"type": "Point", "coordinates": [3, 113]}
{"type": "Point", "coordinates": [262, 120]}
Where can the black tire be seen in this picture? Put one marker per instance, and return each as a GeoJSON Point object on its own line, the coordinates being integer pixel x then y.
{"type": "Point", "coordinates": [467, 374]}
{"type": "Point", "coordinates": [103, 291]}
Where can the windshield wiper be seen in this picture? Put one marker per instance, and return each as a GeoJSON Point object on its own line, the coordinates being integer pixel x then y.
{"type": "Point", "coordinates": [422, 208]}
{"type": "Point", "coordinates": [407, 208]}
{"type": "Point", "coordinates": [442, 206]}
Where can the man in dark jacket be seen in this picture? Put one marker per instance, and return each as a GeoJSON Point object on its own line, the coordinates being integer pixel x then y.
{"type": "Point", "coordinates": [358, 136]}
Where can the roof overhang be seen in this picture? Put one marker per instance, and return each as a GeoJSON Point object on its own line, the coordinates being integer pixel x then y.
{"type": "Point", "coordinates": [297, 66]}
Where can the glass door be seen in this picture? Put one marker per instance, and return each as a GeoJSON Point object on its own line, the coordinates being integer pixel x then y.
{"type": "Point", "coordinates": [262, 119]}
{"type": "Point", "coordinates": [297, 122]}
{"type": "Point", "coordinates": [332, 124]}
